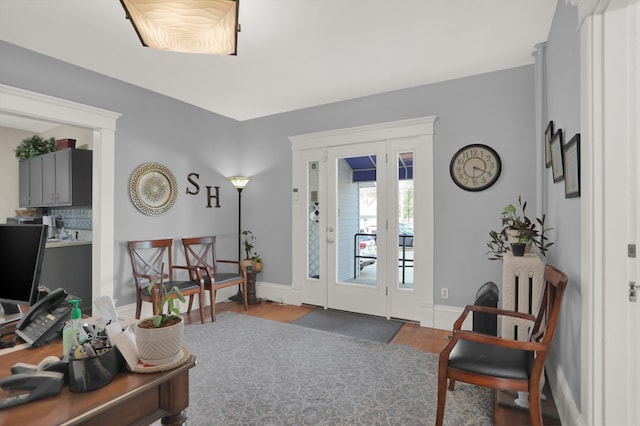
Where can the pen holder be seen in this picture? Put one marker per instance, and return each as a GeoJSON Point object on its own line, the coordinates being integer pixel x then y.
{"type": "Point", "coordinates": [86, 374]}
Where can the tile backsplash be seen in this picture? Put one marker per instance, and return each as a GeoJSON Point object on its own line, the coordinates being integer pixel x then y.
{"type": "Point", "coordinates": [74, 217]}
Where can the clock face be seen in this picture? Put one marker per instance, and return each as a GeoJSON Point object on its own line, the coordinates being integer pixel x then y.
{"type": "Point", "coordinates": [475, 167]}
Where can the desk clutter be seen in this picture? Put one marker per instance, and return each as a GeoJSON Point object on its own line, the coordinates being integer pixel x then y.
{"type": "Point", "coordinates": [94, 352]}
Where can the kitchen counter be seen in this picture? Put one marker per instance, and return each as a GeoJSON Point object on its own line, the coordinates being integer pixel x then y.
{"type": "Point", "coordinates": [66, 243]}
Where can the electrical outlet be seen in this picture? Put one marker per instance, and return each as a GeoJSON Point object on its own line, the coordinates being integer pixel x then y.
{"type": "Point", "coordinates": [444, 292]}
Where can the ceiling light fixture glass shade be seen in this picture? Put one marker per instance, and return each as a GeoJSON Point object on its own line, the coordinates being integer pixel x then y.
{"type": "Point", "coordinates": [189, 26]}
{"type": "Point", "coordinates": [239, 181]}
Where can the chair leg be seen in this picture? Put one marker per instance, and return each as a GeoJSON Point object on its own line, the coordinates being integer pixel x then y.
{"type": "Point", "coordinates": [212, 296]}
{"type": "Point", "coordinates": [452, 384]}
{"type": "Point", "coordinates": [190, 303]}
{"type": "Point", "coordinates": [138, 308]}
{"type": "Point", "coordinates": [201, 305]}
{"type": "Point", "coordinates": [442, 396]}
{"type": "Point", "coordinates": [535, 405]}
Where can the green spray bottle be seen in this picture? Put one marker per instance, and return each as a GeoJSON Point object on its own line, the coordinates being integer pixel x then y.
{"type": "Point", "coordinates": [71, 330]}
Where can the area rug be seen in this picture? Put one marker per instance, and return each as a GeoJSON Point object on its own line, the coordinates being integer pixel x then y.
{"type": "Point", "coordinates": [252, 371]}
{"type": "Point", "coordinates": [348, 324]}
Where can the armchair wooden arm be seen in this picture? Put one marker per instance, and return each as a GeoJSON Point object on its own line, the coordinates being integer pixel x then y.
{"type": "Point", "coordinates": [489, 310]}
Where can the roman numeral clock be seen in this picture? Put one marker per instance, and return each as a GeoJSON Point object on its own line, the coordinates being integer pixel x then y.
{"type": "Point", "coordinates": [475, 167]}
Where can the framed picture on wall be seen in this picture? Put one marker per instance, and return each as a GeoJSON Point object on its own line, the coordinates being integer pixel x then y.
{"type": "Point", "coordinates": [548, 133]}
{"type": "Point", "coordinates": [557, 164]}
{"type": "Point", "coordinates": [572, 167]}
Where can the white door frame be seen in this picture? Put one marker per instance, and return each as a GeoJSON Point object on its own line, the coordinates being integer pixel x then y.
{"type": "Point", "coordinates": [423, 128]}
{"type": "Point", "coordinates": [610, 103]}
{"type": "Point", "coordinates": [14, 101]}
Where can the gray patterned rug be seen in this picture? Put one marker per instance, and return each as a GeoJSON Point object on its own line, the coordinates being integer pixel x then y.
{"type": "Point", "coordinates": [252, 371]}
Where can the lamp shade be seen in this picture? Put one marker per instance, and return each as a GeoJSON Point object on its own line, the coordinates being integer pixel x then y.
{"type": "Point", "coordinates": [239, 181]}
{"type": "Point", "coordinates": [189, 26]}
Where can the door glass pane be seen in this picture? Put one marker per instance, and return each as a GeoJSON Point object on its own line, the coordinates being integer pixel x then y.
{"type": "Point", "coordinates": [405, 220]}
{"type": "Point", "coordinates": [313, 229]}
{"type": "Point", "coordinates": [357, 212]}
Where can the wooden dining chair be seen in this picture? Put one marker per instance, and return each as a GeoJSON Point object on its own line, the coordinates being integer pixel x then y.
{"type": "Point", "coordinates": [200, 253]}
{"type": "Point", "coordinates": [153, 260]}
{"type": "Point", "coordinates": [502, 363]}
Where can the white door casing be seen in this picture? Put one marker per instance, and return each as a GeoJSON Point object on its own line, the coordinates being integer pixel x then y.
{"type": "Point", "coordinates": [14, 101]}
{"type": "Point", "coordinates": [610, 103]}
{"type": "Point", "coordinates": [421, 130]}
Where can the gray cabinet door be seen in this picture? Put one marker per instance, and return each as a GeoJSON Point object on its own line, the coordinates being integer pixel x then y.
{"type": "Point", "coordinates": [30, 182]}
{"type": "Point", "coordinates": [63, 177]}
{"type": "Point", "coordinates": [23, 182]}
{"type": "Point", "coordinates": [49, 181]}
{"type": "Point", "coordinates": [35, 181]}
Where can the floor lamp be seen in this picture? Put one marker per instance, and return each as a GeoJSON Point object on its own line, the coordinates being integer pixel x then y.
{"type": "Point", "coordinates": [239, 182]}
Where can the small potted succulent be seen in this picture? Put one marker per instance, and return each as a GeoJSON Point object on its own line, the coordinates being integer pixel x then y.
{"type": "Point", "coordinates": [518, 232]}
{"type": "Point", "coordinates": [256, 262]}
{"type": "Point", "coordinates": [159, 338]}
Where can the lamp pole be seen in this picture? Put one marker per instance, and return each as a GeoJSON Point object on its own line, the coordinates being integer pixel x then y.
{"type": "Point", "coordinates": [239, 182]}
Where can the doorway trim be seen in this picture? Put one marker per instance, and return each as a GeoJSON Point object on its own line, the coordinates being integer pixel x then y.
{"type": "Point", "coordinates": [422, 128]}
{"type": "Point", "coordinates": [24, 103]}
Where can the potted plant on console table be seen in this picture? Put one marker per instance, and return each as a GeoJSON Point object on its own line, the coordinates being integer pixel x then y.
{"type": "Point", "coordinates": [159, 338]}
{"type": "Point", "coordinates": [518, 232]}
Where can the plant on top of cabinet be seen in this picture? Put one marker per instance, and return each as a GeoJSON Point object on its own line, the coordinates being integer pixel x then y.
{"type": "Point", "coordinates": [35, 145]}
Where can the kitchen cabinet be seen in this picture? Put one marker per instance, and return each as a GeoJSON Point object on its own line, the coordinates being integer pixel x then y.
{"type": "Point", "coordinates": [30, 182]}
{"type": "Point", "coordinates": [65, 179]}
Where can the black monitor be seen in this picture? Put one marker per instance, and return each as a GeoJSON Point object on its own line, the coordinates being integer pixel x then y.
{"type": "Point", "coordinates": [22, 249]}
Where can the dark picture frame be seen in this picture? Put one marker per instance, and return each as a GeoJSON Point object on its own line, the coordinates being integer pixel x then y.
{"type": "Point", "coordinates": [571, 158]}
{"type": "Point", "coordinates": [548, 133]}
{"type": "Point", "coordinates": [557, 163]}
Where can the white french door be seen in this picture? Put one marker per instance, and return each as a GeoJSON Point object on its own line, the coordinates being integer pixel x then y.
{"type": "Point", "coordinates": [363, 219]}
{"type": "Point", "coordinates": [345, 291]}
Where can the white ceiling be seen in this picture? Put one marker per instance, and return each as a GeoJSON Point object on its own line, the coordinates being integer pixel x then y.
{"type": "Point", "coordinates": [292, 54]}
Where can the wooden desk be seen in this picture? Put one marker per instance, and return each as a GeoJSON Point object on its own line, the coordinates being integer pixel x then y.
{"type": "Point", "coordinates": [130, 399]}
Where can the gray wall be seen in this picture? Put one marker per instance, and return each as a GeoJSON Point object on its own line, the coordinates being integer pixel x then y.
{"type": "Point", "coordinates": [563, 76]}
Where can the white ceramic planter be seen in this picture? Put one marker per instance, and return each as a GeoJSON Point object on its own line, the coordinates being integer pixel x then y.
{"type": "Point", "coordinates": [159, 346]}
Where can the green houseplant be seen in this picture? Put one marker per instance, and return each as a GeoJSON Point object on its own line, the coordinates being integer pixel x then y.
{"type": "Point", "coordinates": [159, 338]}
{"type": "Point", "coordinates": [251, 259]}
{"type": "Point", "coordinates": [167, 298]}
{"type": "Point", "coordinates": [33, 146]}
{"type": "Point", "coordinates": [517, 227]}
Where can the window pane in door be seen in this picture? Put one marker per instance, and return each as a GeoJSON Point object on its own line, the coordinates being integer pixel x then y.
{"type": "Point", "coordinates": [357, 207]}
{"type": "Point", "coordinates": [405, 220]}
{"type": "Point", "coordinates": [313, 228]}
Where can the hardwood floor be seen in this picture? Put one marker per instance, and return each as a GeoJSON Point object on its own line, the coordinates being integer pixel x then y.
{"type": "Point", "coordinates": [422, 338]}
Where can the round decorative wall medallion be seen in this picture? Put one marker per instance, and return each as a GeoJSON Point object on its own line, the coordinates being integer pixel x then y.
{"type": "Point", "coordinates": [153, 189]}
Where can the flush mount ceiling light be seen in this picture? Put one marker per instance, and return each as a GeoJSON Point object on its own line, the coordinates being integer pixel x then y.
{"type": "Point", "coordinates": [189, 26]}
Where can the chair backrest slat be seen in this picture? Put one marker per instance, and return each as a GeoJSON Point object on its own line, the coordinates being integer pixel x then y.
{"type": "Point", "coordinates": [549, 309]}
{"type": "Point", "coordinates": [153, 258]}
{"type": "Point", "coordinates": [201, 251]}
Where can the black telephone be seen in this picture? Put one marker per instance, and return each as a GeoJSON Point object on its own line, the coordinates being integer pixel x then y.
{"type": "Point", "coordinates": [45, 319]}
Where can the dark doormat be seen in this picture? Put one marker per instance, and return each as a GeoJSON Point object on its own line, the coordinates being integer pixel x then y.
{"type": "Point", "coordinates": [349, 324]}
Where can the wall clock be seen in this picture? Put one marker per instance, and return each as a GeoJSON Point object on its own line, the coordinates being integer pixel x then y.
{"type": "Point", "coordinates": [475, 167]}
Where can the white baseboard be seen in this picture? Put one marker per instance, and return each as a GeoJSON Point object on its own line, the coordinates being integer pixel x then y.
{"type": "Point", "coordinates": [274, 292]}
{"type": "Point", "coordinates": [566, 405]}
{"type": "Point", "coordinates": [444, 316]}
